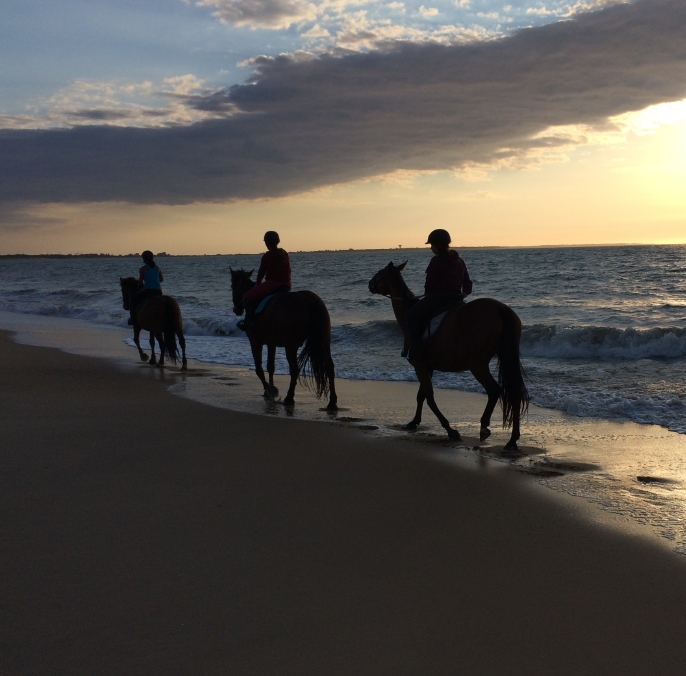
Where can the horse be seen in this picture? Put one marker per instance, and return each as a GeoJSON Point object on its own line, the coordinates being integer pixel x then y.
{"type": "Point", "coordinates": [290, 320]}
{"type": "Point", "coordinates": [161, 316]}
{"type": "Point", "coordinates": [469, 337]}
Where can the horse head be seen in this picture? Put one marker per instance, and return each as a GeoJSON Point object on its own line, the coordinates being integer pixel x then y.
{"type": "Point", "coordinates": [388, 281]}
{"type": "Point", "coordinates": [129, 286]}
{"type": "Point", "coordinates": [240, 283]}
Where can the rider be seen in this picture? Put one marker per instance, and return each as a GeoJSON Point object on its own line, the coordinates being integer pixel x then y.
{"type": "Point", "coordinates": [274, 275]}
{"type": "Point", "coordinates": [447, 282]}
{"type": "Point", "coordinates": [148, 283]}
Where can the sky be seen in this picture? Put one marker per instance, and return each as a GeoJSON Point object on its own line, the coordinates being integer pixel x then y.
{"type": "Point", "coordinates": [192, 126]}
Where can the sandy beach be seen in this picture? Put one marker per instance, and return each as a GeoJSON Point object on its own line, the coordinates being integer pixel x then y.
{"type": "Point", "coordinates": [144, 533]}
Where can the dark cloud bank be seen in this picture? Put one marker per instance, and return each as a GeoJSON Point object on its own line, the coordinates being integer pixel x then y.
{"type": "Point", "coordinates": [331, 120]}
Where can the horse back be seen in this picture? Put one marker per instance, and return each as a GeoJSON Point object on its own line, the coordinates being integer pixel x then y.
{"type": "Point", "coordinates": [287, 318]}
{"type": "Point", "coordinates": [152, 316]}
{"type": "Point", "coordinates": [470, 333]}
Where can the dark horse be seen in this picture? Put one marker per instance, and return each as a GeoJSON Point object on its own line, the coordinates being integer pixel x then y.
{"type": "Point", "coordinates": [161, 316]}
{"type": "Point", "coordinates": [469, 337]}
{"type": "Point", "coordinates": [289, 320]}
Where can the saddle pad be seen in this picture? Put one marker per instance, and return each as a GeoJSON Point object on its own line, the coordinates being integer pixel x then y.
{"type": "Point", "coordinates": [434, 325]}
{"type": "Point", "coordinates": [263, 302]}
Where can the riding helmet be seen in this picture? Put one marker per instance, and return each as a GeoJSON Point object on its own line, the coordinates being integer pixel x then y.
{"type": "Point", "coordinates": [271, 238]}
{"type": "Point", "coordinates": [439, 238]}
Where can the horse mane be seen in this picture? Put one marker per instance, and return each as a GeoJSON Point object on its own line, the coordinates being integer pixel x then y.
{"type": "Point", "coordinates": [128, 281]}
{"type": "Point", "coordinates": [407, 293]}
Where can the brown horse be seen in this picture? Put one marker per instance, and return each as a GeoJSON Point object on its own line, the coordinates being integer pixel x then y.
{"type": "Point", "coordinates": [161, 316]}
{"type": "Point", "coordinates": [289, 320]}
{"type": "Point", "coordinates": [469, 337]}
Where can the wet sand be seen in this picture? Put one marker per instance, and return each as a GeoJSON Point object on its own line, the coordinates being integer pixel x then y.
{"type": "Point", "coordinates": [145, 533]}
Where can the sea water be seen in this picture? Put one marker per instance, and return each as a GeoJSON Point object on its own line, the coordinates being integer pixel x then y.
{"type": "Point", "coordinates": [604, 346]}
{"type": "Point", "coordinates": [604, 327]}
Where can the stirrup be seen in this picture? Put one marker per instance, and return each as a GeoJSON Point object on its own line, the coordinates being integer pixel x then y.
{"type": "Point", "coordinates": [241, 324]}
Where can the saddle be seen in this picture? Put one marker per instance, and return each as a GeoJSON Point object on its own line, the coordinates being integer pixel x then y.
{"type": "Point", "coordinates": [266, 299]}
{"type": "Point", "coordinates": [438, 316]}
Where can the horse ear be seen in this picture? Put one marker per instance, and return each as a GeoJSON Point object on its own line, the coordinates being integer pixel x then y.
{"type": "Point", "coordinates": [402, 267]}
{"type": "Point", "coordinates": [390, 265]}
{"type": "Point", "coordinates": [230, 269]}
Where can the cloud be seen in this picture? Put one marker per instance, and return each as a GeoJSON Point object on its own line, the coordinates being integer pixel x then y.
{"type": "Point", "coordinates": [274, 14]}
{"type": "Point", "coordinates": [313, 122]}
{"type": "Point", "coordinates": [184, 101]}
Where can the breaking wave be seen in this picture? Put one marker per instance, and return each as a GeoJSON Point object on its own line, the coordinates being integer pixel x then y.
{"type": "Point", "coordinates": [602, 342]}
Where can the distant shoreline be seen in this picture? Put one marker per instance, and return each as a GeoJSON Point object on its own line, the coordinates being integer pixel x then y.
{"type": "Point", "coordinates": [255, 253]}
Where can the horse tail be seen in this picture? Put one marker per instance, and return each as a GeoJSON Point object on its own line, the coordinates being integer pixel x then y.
{"type": "Point", "coordinates": [315, 357]}
{"type": "Point", "coordinates": [514, 395]}
{"type": "Point", "coordinates": [170, 320]}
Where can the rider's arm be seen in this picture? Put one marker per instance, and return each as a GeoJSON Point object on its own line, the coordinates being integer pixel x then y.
{"type": "Point", "coordinates": [466, 282]}
{"type": "Point", "coordinates": [161, 275]}
{"type": "Point", "coordinates": [263, 269]}
{"type": "Point", "coordinates": [433, 276]}
{"type": "Point", "coordinates": [140, 277]}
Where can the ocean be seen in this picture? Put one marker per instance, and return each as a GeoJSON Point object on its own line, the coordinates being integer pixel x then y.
{"type": "Point", "coordinates": [604, 327]}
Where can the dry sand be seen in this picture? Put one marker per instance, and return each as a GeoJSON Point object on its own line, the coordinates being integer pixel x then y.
{"type": "Point", "coordinates": [144, 533]}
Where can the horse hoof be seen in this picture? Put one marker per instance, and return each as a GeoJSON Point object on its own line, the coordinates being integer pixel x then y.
{"type": "Point", "coordinates": [484, 433]}
{"type": "Point", "coordinates": [411, 427]}
{"type": "Point", "coordinates": [332, 408]}
{"type": "Point", "coordinates": [184, 366]}
{"type": "Point", "coordinates": [511, 447]}
{"type": "Point", "coordinates": [160, 365]}
{"type": "Point", "coordinates": [454, 435]}
{"type": "Point", "coordinates": [289, 402]}
{"type": "Point", "coordinates": [144, 357]}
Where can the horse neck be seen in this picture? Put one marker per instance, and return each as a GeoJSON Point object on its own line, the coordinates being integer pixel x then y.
{"type": "Point", "coordinates": [401, 299]}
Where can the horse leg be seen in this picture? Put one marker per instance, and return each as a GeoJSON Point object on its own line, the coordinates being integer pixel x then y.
{"type": "Point", "coordinates": [426, 385]}
{"type": "Point", "coordinates": [331, 374]}
{"type": "Point", "coordinates": [511, 445]}
{"type": "Point", "coordinates": [162, 344]}
{"type": "Point", "coordinates": [153, 359]}
{"type": "Point", "coordinates": [414, 423]}
{"type": "Point", "coordinates": [257, 357]}
{"type": "Point", "coordinates": [483, 375]}
{"type": "Point", "coordinates": [182, 343]}
{"type": "Point", "coordinates": [137, 340]}
{"type": "Point", "coordinates": [292, 357]}
{"type": "Point", "coordinates": [271, 365]}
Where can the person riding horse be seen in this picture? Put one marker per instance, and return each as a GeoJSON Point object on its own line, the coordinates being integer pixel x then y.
{"type": "Point", "coordinates": [447, 282]}
{"type": "Point", "coordinates": [149, 280]}
{"type": "Point", "coordinates": [274, 275]}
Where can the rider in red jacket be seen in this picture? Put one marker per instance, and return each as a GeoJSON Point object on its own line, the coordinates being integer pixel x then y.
{"type": "Point", "coordinates": [447, 282]}
{"type": "Point", "coordinates": [274, 275]}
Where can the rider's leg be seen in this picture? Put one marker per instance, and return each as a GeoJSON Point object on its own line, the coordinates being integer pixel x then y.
{"type": "Point", "coordinates": [250, 308]}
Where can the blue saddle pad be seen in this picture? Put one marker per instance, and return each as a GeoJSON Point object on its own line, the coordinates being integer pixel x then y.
{"type": "Point", "coordinates": [266, 299]}
{"type": "Point", "coordinates": [263, 302]}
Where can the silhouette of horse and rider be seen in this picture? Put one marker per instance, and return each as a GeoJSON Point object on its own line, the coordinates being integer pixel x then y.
{"type": "Point", "coordinates": [151, 311]}
{"type": "Point", "coordinates": [463, 336]}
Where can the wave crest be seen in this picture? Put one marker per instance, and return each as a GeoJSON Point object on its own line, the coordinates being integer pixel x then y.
{"type": "Point", "coordinates": [602, 342]}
